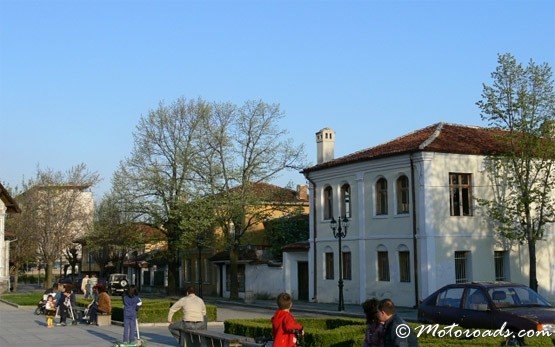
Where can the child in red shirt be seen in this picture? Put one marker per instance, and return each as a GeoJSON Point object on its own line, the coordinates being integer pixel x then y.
{"type": "Point", "coordinates": [283, 323]}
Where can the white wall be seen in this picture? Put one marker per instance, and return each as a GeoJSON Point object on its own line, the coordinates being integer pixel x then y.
{"type": "Point", "coordinates": [439, 234]}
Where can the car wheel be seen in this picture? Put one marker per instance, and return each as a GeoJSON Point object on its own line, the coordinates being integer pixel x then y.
{"type": "Point", "coordinates": [123, 283]}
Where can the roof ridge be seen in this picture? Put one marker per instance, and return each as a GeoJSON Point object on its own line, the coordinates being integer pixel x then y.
{"type": "Point", "coordinates": [432, 137]}
{"type": "Point", "coordinates": [388, 141]}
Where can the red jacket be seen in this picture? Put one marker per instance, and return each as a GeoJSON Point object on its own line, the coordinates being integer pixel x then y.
{"type": "Point", "coordinates": [283, 326]}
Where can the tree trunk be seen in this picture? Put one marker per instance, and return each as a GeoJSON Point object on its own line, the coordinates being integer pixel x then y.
{"type": "Point", "coordinates": [48, 274]}
{"type": "Point", "coordinates": [532, 254]}
{"type": "Point", "coordinates": [233, 276]}
{"type": "Point", "coordinates": [17, 266]}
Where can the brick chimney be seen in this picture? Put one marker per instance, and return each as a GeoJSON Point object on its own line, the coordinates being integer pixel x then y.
{"type": "Point", "coordinates": [325, 144]}
{"type": "Point", "coordinates": [302, 192]}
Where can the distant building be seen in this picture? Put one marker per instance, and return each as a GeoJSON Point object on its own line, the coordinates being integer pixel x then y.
{"type": "Point", "coordinates": [413, 194]}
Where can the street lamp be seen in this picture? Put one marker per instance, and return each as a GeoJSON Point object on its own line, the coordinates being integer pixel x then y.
{"type": "Point", "coordinates": [200, 240]}
{"type": "Point", "coordinates": [339, 229]}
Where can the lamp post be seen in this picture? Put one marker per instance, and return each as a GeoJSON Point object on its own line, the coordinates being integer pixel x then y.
{"type": "Point", "coordinates": [339, 229]}
{"type": "Point", "coordinates": [200, 240]}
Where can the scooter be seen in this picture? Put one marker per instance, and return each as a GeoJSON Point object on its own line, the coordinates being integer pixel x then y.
{"type": "Point", "coordinates": [139, 342]}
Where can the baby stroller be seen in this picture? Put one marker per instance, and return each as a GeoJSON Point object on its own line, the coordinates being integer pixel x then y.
{"type": "Point", "coordinates": [70, 311]}
{"type": "Point", "coordinates": [41, 306]}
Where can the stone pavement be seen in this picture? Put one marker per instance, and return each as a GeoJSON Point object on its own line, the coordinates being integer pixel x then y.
{"type": "Point", "coordinates": [19, 327]}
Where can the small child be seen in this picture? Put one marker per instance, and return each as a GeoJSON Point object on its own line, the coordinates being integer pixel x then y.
{"type": "Point", "coordinates": [131, 304]}
{"type": "Point", "coordinates": [284, 325]}
{"type": "Point", "coordinates": [50, 311]}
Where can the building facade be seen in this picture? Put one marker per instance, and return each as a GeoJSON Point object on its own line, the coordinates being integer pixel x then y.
{"type": "Point", "coordinates": [414, 224]}
{"type": "Point", "coordinates": [7, 205]}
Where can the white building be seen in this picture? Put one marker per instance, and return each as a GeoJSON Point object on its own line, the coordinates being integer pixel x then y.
{"type": "Point", "coordinates": [7, 205]}
{"type": "Point", "coordinates": [416, 192]}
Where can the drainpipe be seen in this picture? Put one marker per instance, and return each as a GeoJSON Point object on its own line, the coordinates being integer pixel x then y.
{"type": "Point", "coordinates": [414, 243]}
{"type": "Point", "coordinates": [314, 220]}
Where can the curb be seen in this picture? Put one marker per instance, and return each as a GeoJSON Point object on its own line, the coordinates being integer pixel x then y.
{"type": "Point", "coordinates": [9, 303]}
{"type": "Point", "coordinates": [297, 309]}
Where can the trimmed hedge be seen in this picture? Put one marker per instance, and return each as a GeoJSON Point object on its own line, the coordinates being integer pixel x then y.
{"type": "Point", "coordinates": [338, 332]}
{"type": "Point", "coordinates": [152, 310]}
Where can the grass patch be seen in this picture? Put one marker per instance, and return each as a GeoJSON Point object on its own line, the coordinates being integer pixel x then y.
{"type": "Point", "coordinates": [27, 299]}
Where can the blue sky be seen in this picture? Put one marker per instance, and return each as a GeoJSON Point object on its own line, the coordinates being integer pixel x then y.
{"type": "Point", "coordinates": [76, 76]}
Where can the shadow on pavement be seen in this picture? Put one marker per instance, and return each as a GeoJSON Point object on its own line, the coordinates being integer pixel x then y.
{"type": "Point", "coordinates": [103, 336]}
{"type": "Point", "coordinates": [158, 338]}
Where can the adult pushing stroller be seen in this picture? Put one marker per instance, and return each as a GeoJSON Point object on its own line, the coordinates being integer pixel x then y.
{"type": "Point", "coordinates": [66, 309]}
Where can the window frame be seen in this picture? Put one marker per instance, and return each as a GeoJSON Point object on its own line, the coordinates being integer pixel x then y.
{"type": "Point", "coordinates": [463, 262]}
{"type": "Point", "coordinates": [347, 265]}
{"type": "Point", "coordinates": [404, 266]}
{"type": "Point", "coordinates": [403, 192]}
{"type": "Point", "coordinates": [328, 203]}
{"type": "Point", "coordinates": [384, 273]}
{"type": "Point", "coordinates": [501, 262]}
{"type": "Point", "coordinates": [460, 194]}
{"type": "Point", "coordinates": [329, 266]}
{"type": "Point", "coordinates": [381, 197]}
{"type": "Point", "coordinates": [345, 200]}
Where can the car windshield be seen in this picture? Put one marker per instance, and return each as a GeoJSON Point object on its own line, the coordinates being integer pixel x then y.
{"type": "Point", "coordinates": [516, 296]}
{"type": "Point", "coordinates": [118, 277]}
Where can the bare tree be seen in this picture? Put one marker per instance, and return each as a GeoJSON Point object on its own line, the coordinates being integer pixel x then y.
{"type": "Point", "coordinates": [242, 147]}
{"type": "Point", "coordinates": [159, 173]}
{"type": "Point", "coordinates": [57, 208]}
{"type": "Point", "coordinates": [521, 102]}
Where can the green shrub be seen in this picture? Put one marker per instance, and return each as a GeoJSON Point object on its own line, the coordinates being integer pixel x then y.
{"type": "Point", "coordinates": [338, 332]}
{"type": "Point", "coordinates": [152, 310]}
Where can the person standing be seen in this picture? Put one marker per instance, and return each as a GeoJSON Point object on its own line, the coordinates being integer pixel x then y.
{"type": "Point", "coordinates": [374, 334]}
{"type": "Point", "coordinates": [386, 314]}
{"type": "Point", "coordinates": [93, 281]}
{"type": "Point", "coordinates": [85, 286]}
{"type": "Point", "coordinates": [194, 314]}
{"type": "Point", "coordinates": [284, 326]}
{"type": "Point", "coordinates": [131, 305]}
{"type": "Point", "coordinates": [50, 310]}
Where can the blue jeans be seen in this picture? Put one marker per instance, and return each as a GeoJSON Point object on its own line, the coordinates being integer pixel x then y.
{"type": "Point", "coordinates": [177, 326]}
{"type": "Point", "coordinates": [129, 329]}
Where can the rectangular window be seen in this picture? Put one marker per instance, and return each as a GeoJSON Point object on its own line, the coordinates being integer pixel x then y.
{"type": "Point", "coordinates": [383, 267]}
{"type": "Point", "coordinates": [462, 266]}
{"type": "Point", "coordinates": [404, 266]}
{"type": "Point", "coordinates": [501, 260]}
{"type": "Point", "coordinates": [329, 266]}
{"type": "Point", "coordinates": [346, 265]}
{"type": "Point", "coordinates": [240, 277]}
{"type": "Point", "coordinates": [460, 188]}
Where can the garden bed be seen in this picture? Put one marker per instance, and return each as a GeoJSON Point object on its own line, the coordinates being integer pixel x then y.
{"type": "Point", "coordinates": [338, 332]}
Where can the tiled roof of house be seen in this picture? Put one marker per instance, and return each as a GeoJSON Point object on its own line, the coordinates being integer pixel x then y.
{"type": "Point", "coordinates": [272, 193]}
{"type": "Point", "coordinates": [302, 246]}
{"type": "Point", "coordinates": [440, 137]}
{"type": "Point", "coordinates": [11, 204]}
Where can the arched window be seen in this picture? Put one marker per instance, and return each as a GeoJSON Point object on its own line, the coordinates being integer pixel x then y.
{"type": "Point", "coordinates": [403, 195]}
{"type": "Point", "coordinates": [381, 196]}
{"type": "Point", "coordinates": [346, 200]}
{"type": "Point", "coordinates": [328, 203]}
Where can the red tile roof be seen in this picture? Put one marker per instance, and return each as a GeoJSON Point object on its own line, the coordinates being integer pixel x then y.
{"type": "Point", "coordinates": [440, 137]}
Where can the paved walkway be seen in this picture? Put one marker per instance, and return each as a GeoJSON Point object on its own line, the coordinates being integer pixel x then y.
{"type": "Point", "coordinates": [19, 327]}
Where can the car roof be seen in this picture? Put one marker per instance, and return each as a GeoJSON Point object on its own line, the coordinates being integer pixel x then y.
{"type": "Point", "coordinates": [486, 284]}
